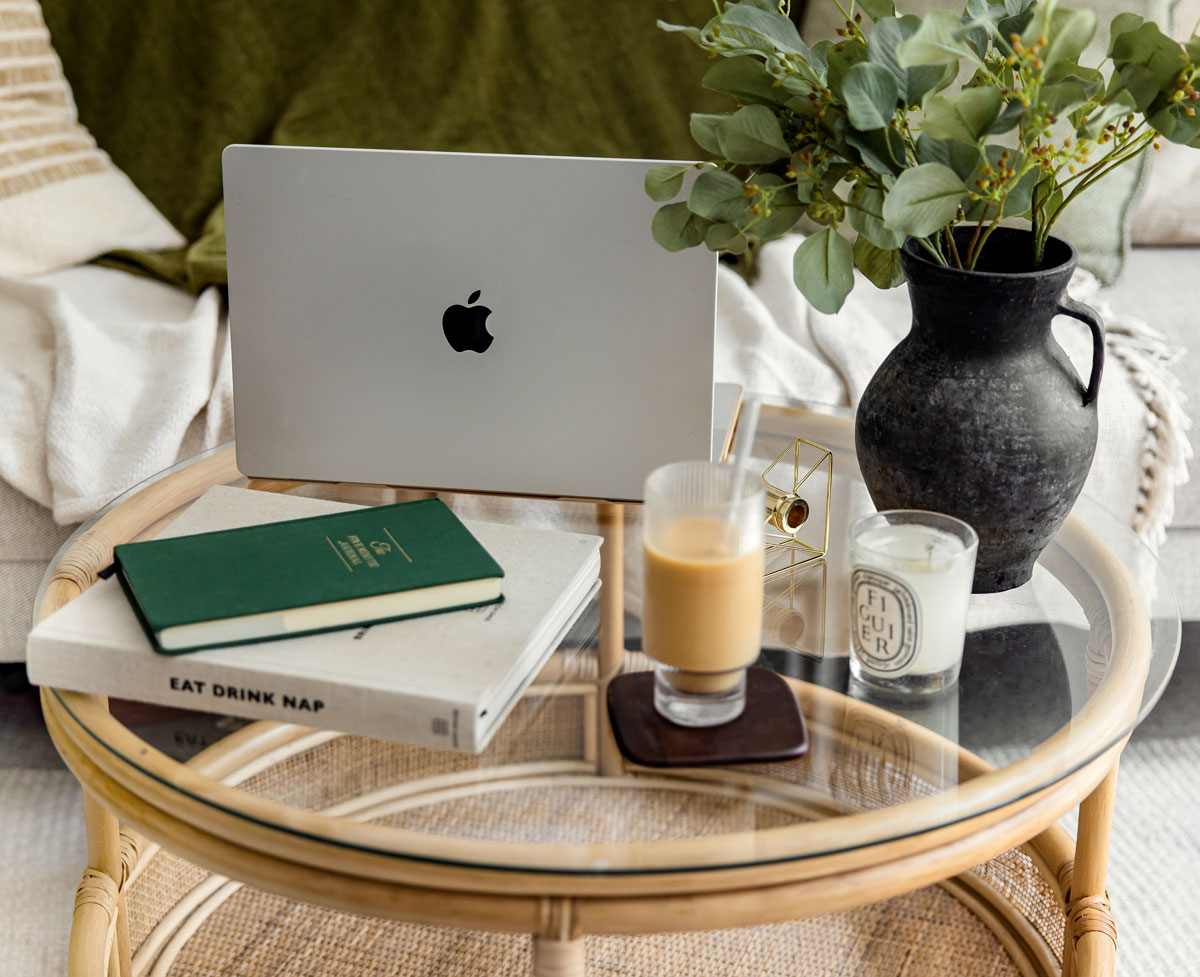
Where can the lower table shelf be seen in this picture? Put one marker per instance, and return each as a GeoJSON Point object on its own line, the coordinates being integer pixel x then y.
{"type": "Point", "coordinates": [998, 921]}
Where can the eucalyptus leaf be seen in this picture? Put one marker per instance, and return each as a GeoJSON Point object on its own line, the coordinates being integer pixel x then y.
{"type": "Point", "coordinates": [823, 269]}
{"type": "Point", "coordinates": [936, 41]}
{"type": "Point", "coordinates": [881, 266]}
{"type": "Point", "coordinates": [977, 25]}
{"type": "Point", "coordinates": [705, 130]}
{"type": "Point", "coordinates": [733, 41]}
{"type": "Point", "coordinates": [1150, 47]}
{"type": "Point", "coordinates": [752, 135]}
{"type": "Point", "coordinates": [870, 94]}
{"type": "Point", "coordinates": [1064, 97]}
{"type": "Point", "coordinates": [691, 32]}
{"type": "Point", "coordinates": [1070, 32]}
{"type": "Point", "coordinates": [922, 79]}
{"type": "Point", "coordinates": [958, 156]}
{"type": "Point", "coordinates": [1175, 124]}
{"type": "Point", "coordinates": [725, 237]}
{"type": "Point", "coordinates": [881, 149]}
{"type": "Point", "coordinates": [885, 37]}
{"type": "Point", "coordinates": [770, 25]}
{"type": "Point", "coordinates": [1020, 198]}
{"type": "Point", "coordinates": [877, 10]}
{"type": "Point", "coordinates": [924, 199]}
{"type": "Point", "coordinates": [664, 182]}
{"type": "Point", "coordinates": [1090, 78]}
{"type": "Point", "coordinates": [1122, 24]}
{"type": "Point", "coordinates": [1015, 24]}
{"type": "Point", "coordinates": [866, 217]}
{"type": "Point", "coordinates": [839, 64]}
{"type": "Point", "coordinates": [969, 114]}
{"type": "Point", "coordinates": [746, 79]}
{"type": "Point", "coordinates": [1139, 82]}
{"type": "Point", "coordinates": [1009, 118]}
{"type": "Point", "coordinates": [676, 228]}
{"type": "Point", "coordinates": [966, 116]}
{"type": "Point", "coordinates": [818, 59]}
{"type": "Point", "coordinates": [786, 209]}
{"type": "Point", "coordinates": [719, 196]}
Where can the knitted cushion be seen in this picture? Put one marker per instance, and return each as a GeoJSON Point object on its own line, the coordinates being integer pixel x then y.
{"type": "Point", "coordinates": [62, 201]}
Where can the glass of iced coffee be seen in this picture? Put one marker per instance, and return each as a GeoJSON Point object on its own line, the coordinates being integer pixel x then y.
{"type": "Point", "coordinates": [702, 604]}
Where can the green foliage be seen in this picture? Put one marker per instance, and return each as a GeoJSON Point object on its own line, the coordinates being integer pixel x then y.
{"type": "Point", "coordinates": [924, 199]}
{"type": "Point", "coordinates": [824, 269]}
{"type": "Point", "coordinates": [874, 131]}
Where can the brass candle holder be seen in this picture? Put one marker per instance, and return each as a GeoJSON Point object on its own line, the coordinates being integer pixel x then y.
{"type": "Point", "coordinates": [798, 505]}
{"type": "Point", "coordinates": [798, 486]}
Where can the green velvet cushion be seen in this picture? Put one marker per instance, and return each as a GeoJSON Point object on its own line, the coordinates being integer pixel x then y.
{"type": "Point", "coordinates": [164, 86]}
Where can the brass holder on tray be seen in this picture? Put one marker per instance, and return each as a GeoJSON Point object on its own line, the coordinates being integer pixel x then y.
{"type": "Point", "coordinates": [792, 525]}
{"type": "Point", "coordinates": [797, 539]}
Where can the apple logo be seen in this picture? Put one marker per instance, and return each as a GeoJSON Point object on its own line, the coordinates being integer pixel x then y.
{"type": "Point", "coordinates": [465, 326]}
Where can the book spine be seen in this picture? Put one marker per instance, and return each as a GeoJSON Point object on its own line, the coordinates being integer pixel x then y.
{"type": "Point", "coordinates": [191, 682]}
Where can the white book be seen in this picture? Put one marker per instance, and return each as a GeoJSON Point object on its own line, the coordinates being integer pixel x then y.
{"type": "Point", "coordinates": [446, 680]}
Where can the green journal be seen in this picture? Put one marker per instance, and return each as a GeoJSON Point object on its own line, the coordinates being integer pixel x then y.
{"type": "Point", "coordinates": [306, 575]}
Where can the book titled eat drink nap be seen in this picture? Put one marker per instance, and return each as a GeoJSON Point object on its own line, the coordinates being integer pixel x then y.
{"type": "Point", "coordinates": [306, 575]}
{"type": "Point", "coordinates": [439, 680]}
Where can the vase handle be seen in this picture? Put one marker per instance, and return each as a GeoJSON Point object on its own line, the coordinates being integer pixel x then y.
{"type": "Point", "coordinates": [1085, 313]}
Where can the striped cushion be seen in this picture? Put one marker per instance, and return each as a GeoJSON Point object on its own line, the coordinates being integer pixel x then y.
{"type": "Point", "coordinates": [62, 201]}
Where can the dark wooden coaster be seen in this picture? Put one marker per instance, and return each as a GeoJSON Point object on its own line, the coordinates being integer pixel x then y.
{"type": "Point", "coordinates": [769, 728]}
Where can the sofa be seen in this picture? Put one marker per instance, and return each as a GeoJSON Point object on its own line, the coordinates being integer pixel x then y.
{"type": "Point", "coordinates": [115, 350]}
{"type": "Point", "coordinates": [114, 342]}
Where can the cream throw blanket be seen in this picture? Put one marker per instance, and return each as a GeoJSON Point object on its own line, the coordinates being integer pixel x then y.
{"type": "Point", "coordinates": [95, 399]}
{"type": "Point", "coordinates": [104, 380]}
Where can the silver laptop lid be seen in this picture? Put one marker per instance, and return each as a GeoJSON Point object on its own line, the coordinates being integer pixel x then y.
{"type": "Point", "coordinates": [461, 321]}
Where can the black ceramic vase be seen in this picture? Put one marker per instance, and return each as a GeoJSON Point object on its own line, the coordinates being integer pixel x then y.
{"type": "Point", "coordinates": [977, 412]}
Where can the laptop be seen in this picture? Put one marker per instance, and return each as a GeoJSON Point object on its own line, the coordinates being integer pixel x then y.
{"type": "Point", "coordinates": [462, 321]}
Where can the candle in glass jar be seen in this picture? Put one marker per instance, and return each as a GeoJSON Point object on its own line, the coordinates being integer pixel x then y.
{"type": "Point", "coordinates": [910, 583]}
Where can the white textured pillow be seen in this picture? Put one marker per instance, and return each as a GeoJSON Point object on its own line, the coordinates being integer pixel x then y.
{"type": "Point", "coordinates": [62, 201]}
{"type": "Point", "coordinates": [1170, 211]}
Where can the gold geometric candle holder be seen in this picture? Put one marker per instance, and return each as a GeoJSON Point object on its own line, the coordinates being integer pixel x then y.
{"type": "Point", "coordinates": [799, 484]}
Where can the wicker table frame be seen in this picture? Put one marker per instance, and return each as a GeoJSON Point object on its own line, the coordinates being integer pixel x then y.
{"type": "Point", "coordinates": [560, 908]}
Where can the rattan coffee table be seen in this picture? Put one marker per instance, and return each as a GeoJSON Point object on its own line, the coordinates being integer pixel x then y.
{"type": "Point", "coordinates": [911, 839]}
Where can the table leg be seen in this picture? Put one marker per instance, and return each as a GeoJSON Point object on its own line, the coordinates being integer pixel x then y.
{"type": "Point", "coordinates": [558, 946]}
{"type": "Point", "coordinates": [100, 927]}
{"type": "Point", "coordinates": [611, 638]}
{"type": "Point", "coordinates": [557, 958]}
{"type": "Point", "coordinates": [1091, 937]}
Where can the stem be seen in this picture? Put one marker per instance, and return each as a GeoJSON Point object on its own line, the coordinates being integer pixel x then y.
{"type": "Point", "coordinates": [953, 245]}
{"type": "Point", "coordinates": [1118, 154]}
{"type": "Point", "coordinates": [975, 237]}
{"type": "Point", "coordinates": [977, 251]}
{"type": "Point", "coordinates": [1103, 171]}
{"type": "Point", "coordinates": [986, 234]}
{"type": "Point", "coordinates": [1035, 219]}
{"type": "Point", "coordinates": [932, 250]}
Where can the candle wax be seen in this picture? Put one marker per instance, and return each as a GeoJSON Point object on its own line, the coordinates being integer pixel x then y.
{"type": "Point", "coordinates": [909, 590]}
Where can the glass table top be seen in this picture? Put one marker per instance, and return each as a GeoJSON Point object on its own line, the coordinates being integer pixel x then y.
{"type": "Point", "coordinates": [1055, 673]}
